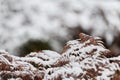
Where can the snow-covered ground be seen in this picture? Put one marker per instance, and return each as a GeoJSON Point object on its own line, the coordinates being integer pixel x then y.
{"type": "Point", "coordinates": [21, 20]}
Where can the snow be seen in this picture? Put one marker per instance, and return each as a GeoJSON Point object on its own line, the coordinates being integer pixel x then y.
{"type": "Point", "coordinates": [75, 44]}
{"type": "Point", "coordinates": [15, 79]}
{"type": "Point", "coordinates": [89, 63]}
{"type": "Point", "coordinates": [5, 60]}
{"type": "Point", "coordinates": [114, 58]}
{"type": "Point", "coordinates": [51, 54]}
{"type": "Point", "coordinates": [3, 51]}
{"type": "Point", "coordinates": [77, 66]}
{"type": "Point", "coordinates": [46, 57]}
{"type": "Point", "coordinates": [45, 19]}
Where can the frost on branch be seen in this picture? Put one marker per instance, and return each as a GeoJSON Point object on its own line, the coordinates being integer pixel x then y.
{"type": "Point", "coordinates": [84, 58]}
